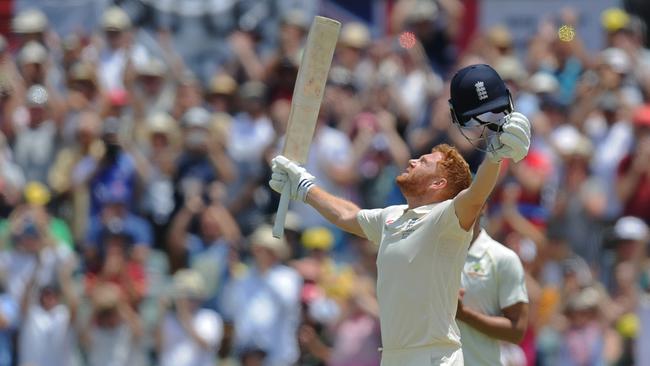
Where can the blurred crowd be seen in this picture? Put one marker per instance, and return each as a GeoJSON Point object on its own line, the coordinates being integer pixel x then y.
{"type": "Point", "coordinates": [135, 209]}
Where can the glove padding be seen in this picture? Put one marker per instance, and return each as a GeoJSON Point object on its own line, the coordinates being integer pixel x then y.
{"type": "Point", "coordinates": [289, 172]}
{"type": "Point", "coordinates": [514, 140]}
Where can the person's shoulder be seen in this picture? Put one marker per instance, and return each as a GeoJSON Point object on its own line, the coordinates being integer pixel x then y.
{"type": "Point", "coordinates": [502, 253]}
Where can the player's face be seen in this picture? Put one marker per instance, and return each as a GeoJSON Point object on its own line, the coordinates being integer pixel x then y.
{"type": "Point", "coordinates": [419, 174]}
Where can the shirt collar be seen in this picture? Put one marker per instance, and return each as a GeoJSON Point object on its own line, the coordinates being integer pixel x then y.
{"type": "Point", "coordinates": [421, 210]}
{"type": "Point", "coordinates": [480, 245]}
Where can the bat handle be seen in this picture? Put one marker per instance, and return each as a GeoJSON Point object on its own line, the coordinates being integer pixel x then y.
{"type": "Point", "coordinates": [283, 206]}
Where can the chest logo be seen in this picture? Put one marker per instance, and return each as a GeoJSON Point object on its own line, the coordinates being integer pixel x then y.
{"type": "Point", "coordinates": [409, 229]}
{"type": "Point", "coordinates": [476, 270]}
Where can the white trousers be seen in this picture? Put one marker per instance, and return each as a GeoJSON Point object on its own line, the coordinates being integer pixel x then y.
{"type": "Point", "coordinates": [424, 356]}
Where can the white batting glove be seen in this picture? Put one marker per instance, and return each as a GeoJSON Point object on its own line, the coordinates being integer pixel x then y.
{"type": "Point", "coordinates": [289, 172]}
{"type": "Point", "coordinates": [514, 140]}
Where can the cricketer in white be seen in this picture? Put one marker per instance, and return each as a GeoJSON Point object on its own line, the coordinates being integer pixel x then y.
{"type": "Point", "coordinates": [494, 305]}
{"type": "Point", "coordinates": [422, 245]}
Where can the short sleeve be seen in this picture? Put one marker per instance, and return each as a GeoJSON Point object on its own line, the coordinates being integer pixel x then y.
{"type": "Point", "coordinates": [371, 223]}
{"type": "Point", "coordinates": [450, 221]}
{"type": "Point", "coordinates": [512, 284]}
{"type": "Point", "coordinates": [209, 326]}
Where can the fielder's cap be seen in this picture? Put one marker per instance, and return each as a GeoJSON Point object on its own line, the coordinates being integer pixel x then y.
{"type": "Point", "coordinates": [32, 53]}
{"type": "Point", "coordinates": [115, 19]}
{"type": "Point", "coordinates": [631, 228]}
{"type": "Point", "coordinates": [355, 35]}
{"type": "Point", "coordinates": [319, 238]}
{"type": "Point", "coordinates": [614, 19]}
{"type": "Point", "coordinates": [617, 59]}
{"type": "Point", "coordinates": [222, 84]}
{"type": "Point", "coordinates": [151, 67]}
{"type": "Point", "coordinates": [29, 21]}
{"type": "Point", "coordinates": [252, 90]}
{"type": "Point", "coordinates": [263, 237]}
{"type": "Point", "coordinates": [197, 117]}
{"type": "Point", "coordinates": [37, 96]}
{"type": "Point", "coordinates": [543, 82]}
{"type": "Point", "coordinates": [641, 116]}
{"type": "Point", "coordinates": [478, 89]}
{"type": "Point", "coordinates": [188, 283]}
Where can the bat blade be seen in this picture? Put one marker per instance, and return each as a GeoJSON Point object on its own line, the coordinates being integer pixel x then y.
{"type": "Point", "coordinates": [307, 97]}
{"type": "Point", "coordinates": [310, 86]}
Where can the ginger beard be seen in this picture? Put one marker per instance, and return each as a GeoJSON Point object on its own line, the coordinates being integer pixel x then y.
{"type": "Point", "coordinates": [416, 179]}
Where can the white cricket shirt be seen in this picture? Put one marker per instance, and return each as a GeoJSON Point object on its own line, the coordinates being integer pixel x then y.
{"type": "Point", "coordinates": [421, 254]}
{"type": "Point", "coordinates": [493, 279]}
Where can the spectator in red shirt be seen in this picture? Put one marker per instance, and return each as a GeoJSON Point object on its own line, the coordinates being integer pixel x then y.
{"type": "Point", "coordinates": [633, 183]}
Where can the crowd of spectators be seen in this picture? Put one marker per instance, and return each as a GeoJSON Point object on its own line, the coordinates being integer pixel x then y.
{"type": "Point", "coordinates": [135, 209]}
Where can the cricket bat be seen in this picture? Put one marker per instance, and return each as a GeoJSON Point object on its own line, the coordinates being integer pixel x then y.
{"type": "Point", "coordinates": [307, 97]}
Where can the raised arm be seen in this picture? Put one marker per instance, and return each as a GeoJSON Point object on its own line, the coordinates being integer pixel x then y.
{"type": "Point", "coordinates": [512, 143]}
{"type": "Point", "coordinates": [338, 211]}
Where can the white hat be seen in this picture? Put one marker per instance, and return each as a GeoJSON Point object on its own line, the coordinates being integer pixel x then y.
{"type": "Point", "coordinates": [617, 59]}
{"type": "Point", "coordinates": [263, 237]}
{"type": "Point", "coordinates": [567, 140]}
{"type": "Point", "coordinates": [543, 82]}
{"type": "Point", "coordinates": [116, 19]}
{"type": "Point", "coordinates": [355, 35]}
{"type": "Point", "coordinates": [631, 228]}
{"type": "Point", "coordinates": [29, 21]}
{"type": "Point", "coordinates": [151, 67]}
{"type": "Point", "coordinates": [188, 283]}
{"type": "Point", "coordinates": [196, 117]}
{"type": "Point", "coordinates": [32, 53]}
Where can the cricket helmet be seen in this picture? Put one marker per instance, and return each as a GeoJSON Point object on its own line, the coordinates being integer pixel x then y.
{"type": "Point", "coordinates": [476, 90]}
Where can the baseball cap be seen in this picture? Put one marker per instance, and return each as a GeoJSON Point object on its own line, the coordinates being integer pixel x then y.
{"type": "Point", "coordinates": [631, 228]}
{"type": "Point", "coordinates": [36, 193]}
{"type": "Point", "coordinates": [37, 96]}
{"type": "Point", "coordinates": [478, 89]}
{"type": "Point", "coordinates": [116, 19]}
{"type": "Point", "coordinates": [641, 116]}
{"type": "Point", "coordinates": [29, 21]}
{"type": "Point", "coordinates": [32, 53]}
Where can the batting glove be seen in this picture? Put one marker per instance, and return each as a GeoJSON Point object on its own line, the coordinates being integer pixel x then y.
{"type": "Point", "coordinates": [514, 140]}
{"type": "Point", "coordinates": [289, 172]}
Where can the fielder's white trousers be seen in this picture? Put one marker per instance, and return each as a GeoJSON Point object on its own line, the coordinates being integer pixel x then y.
{"type": "Point", "coordinates": [423, 356]}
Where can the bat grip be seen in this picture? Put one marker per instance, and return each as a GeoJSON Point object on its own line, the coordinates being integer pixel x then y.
{"type": "Point", "coordinates": [283, 206]}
